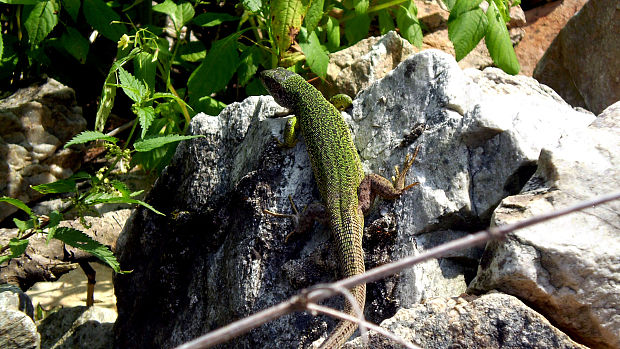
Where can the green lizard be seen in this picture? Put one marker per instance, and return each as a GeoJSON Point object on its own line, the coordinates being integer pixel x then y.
{"type": "Point", "coordinates": [346, 192]}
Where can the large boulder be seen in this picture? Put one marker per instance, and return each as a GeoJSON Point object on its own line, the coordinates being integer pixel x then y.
{"type": "Point", "coordinates": [568, 267]}
{"type": "Point", "coordinates": [35, 123]}
{"type": "Point", "coordinates": [216, 257]}
{"type": "Point", "coordinates": [582, 63]}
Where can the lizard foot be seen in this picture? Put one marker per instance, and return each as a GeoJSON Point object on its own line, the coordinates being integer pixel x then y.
{"type": "Point", "coordinates": [304, 220]}
{"type": "Point", "coordinates": [399, 179]}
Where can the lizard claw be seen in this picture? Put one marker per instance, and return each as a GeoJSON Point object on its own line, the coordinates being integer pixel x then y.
{"type": "Point", "coordinates": [294, 216]}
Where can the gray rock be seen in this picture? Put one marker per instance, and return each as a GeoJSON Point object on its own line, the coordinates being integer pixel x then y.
{"type": "Point", "coordinates": [568, 267]}
{"type": "Point", "coordinates": [217, 258]}
{"type": "Point", "coordinates": [490, 321]}
{"type": "Point", "coordinates": [17, 329]}
{"type": "Point", "coordinates": [35, 123]}
{"type": "Point", "coordinates": [78, 327]}
{"type": "Point", "coordinates": [582, 63]}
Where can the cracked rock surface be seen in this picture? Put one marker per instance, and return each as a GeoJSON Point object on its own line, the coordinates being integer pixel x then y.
{"type": "Point", "coordinates": [216, 257]}
{"type": "Point", "coordinates": [567, 268]}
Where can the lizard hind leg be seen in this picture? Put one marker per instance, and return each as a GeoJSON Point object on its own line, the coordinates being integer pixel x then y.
{"type": "Point", "coordinates": [374, 185]}
{"type": "Point", "coordinates": [304, 220]}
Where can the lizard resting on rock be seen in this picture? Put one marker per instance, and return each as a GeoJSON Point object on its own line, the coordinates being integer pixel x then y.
{"type": "Point", "coordinates": [347, 193]}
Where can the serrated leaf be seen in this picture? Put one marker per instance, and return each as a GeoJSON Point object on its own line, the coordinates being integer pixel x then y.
{"type": "Point", "coordinates": [193, 51]}
{"type": "Point", "coordinates": [286, 18]}
{"type": "Point", "coordinates": [16, 248]}
{"type": "Point", "coordinates": [55, 218]}
{"type": "Point", "coordinates": [75, 44]}
{"type": "Point", "coordinates": [386, 23]}
{"type": "Point", "coordinates": [409, 25]}
{"type": "Point", "coordinates": [17, 203]}
{"type": "Point", "coordinates": [122, 188]}
{"type": "Point", "coordinates": [78, 239]}
{"type": "Point", "coordinates": [357, 28]}
{"type": "Point", "coordinates": [212, 19]}
{"type": "Point", "coordinates": [332, 29]}
{"type": "Point", "coordinates": [73, 8]}
{"type": "Point", "coordinates": [316, 56]}
{"type": "Point", "coordinates": [216, 69]}
{"type": "Point", "coordinates": [88, 136]}
{"type": "Point", "coordinates": [252, 5]}
{"type": "Point", "coordinates": [498, 42]}
{"type": "Point", "coordinates": [132, 87]}
{"type": "Point", "coordinates": [146, 115]}
{"type": "Point", "coordinates": [60, 186]}
{"type": "Point", "coordinates": [150, 143]}
{"type": "Point", "coordinates": [108, 198]}
{"type": "Point", "coordinates": [179, 14]}
{"type": "Point", "coordinates": [314, 15]}
{"type": "Point", "coordinates": [40, 19]}
{"type": "Point", "coordinates": [466, 30]}
{"type": "Point", "coordinates": [101, 17]}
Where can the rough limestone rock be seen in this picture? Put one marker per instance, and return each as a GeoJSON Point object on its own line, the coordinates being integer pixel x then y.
{"type": "Point", "coordinates": [582, 63]}
{"type": "Point", "coordinates": [35, 123]}
{"type": "Point", "coordinates": [78, 327]}
{"type": "Point", "coordinates": [568, 267]}
{"type": "Point", "coordinates": [17, 329]}
{"type": "Point", "coordinates": [216, 257]}
{"type": "Point", "coordinates": [354, 68]}
{"type": "Point", "coordinates": [490, 321]}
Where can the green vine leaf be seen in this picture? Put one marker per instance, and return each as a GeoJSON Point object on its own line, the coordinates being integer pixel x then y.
{"type": "Point", "coordinates": [87, 136]}
{"type": "Point", "coordinates": [16, 248]}
{"type": "Point", "coordinates": [78, 239]}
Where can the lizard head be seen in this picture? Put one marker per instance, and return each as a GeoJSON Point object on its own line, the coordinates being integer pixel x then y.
{"type": "Point", "coordinates": [275, 81]}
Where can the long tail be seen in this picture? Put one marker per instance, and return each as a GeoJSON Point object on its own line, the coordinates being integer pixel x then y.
{"type": "Point", "coordinates": [345, 329]}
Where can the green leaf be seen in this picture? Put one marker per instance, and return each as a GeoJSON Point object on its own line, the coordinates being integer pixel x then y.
{"type": "Point", "coordinates": [150, 143]}
{"type": "Point", "coordinates": [78, 239]}
{"type": "Point", "coordinates": [498, 42]}
{"type": "Point", "coordinates": [108, 92]}
{"type": "Point", "coordinates": [100, 16]}
{"type": "Point", "coordinates": [179, 14]}
{"type": "Point", "coordinates": [132, 87]}
{"type": "Point", "coordinates": [16, 247]}
{"type": "Point", "coordinates": [40, 19]}
{"type": "Point", "coordinates": [144, 67]}
{"type": "Point", "coordinates": [23, 225]}
{"type": "Point", "coordinates": [314, 15]}
{"type": "Point", "coordinates": [193, 51]}
{"type": "Point", "coordinates": [463, 6]}
{"type": "Point", "coordinates": [212, 19]}
{"type": "Point", "coordinates": [21, 2]}
{"type": "Point", "coordinates": [75, 44]}
{"type": "Point", "coordinates": [361, 6]}
{"type": "Point", "coordinates": [216, 69]}
{"type": "Point", "coordinates": [408, 23]}
{"type": "Point", "coordinates": [449, 3]}
{"type": "Point", "coordinates": [386, 23]}
{"type": "Point", "coordinates": [60, 186]}
{"type": "Point", "coordinates": [252, 5]}
{"type": "Point", "coordinates": [255, 88]}
{"type": "Point", "coordinates": [146, 115]}
{"type": "Point", "coordinates": [333, 34]}
{"type": "Point", "coordinates": [316, 56]}
{"type": "Point", "coordinates": [17, 203]}
{"type": "Point", "coordinates": [466, 30]}
{"type": "Point", "coordinates": [210, 106]}
{"type": "Point", "coordinates": [1, 45]}
{"type": "Point", "coordinates": [73, 8]}
{"type": "Point", "coordinates": [249, 64]}
{"type": "Point", "coordinates": [108, 198]}
{"type": "Point", "coordinates": [55, 218]}
{"type": "Point", "coordinates": [357, 28]}
{"type": "Point", "coordinates": [286, 18]}
{"type": "Point", "coordinates": [87, 136]}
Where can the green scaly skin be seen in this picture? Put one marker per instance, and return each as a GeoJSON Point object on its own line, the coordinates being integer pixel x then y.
{"type": "Point", "coordinates": [338, 171]}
